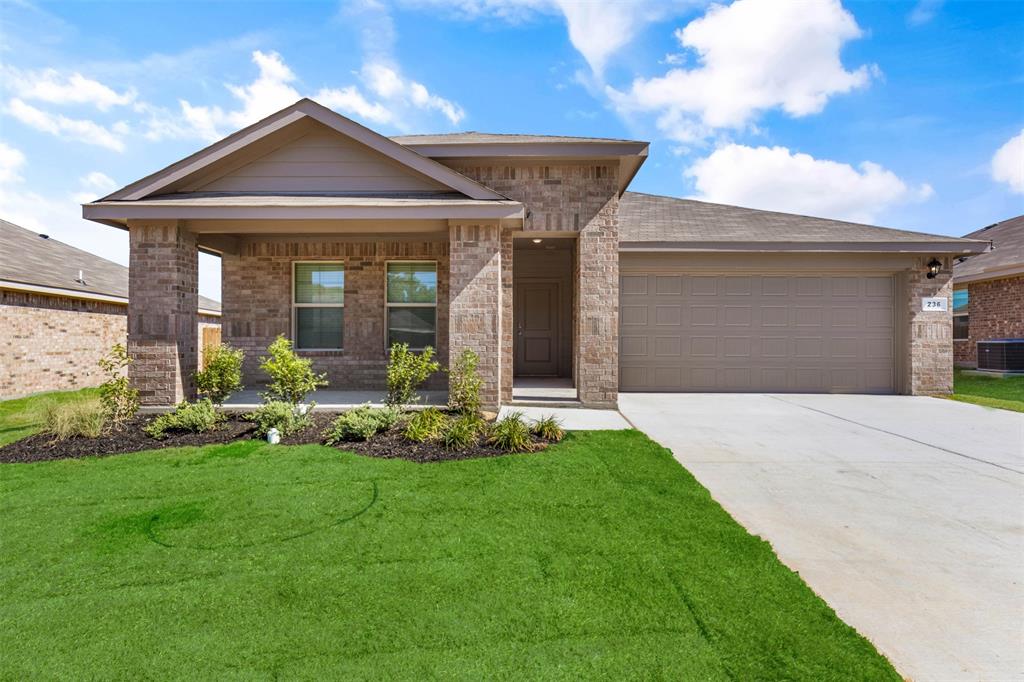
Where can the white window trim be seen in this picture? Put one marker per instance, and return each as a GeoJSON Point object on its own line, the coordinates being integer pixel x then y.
{"type": "Point", "coordinates": [296, 306]}
{"type": "Point", "coordinates": [388, 304]}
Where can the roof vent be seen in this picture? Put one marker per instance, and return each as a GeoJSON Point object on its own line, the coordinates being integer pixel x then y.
{"type": "Point", "coordinates": [45, 236]}
{"type": "Point", "coordinates": [81, 277]}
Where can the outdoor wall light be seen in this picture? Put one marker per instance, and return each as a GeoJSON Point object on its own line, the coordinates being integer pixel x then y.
{"type": "Point", "coordinates": [537, 241]}
{"type": "Point", "coordinates": [934, 265]}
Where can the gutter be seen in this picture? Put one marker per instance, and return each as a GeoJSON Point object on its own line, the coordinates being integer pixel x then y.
{"type": "Point", "coordinates": [82, 295]}
{"type": "Point", "coordinates": [956, 247]}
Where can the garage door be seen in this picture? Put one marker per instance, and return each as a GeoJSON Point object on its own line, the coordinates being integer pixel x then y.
{"type": "Point", "coordinates": [808, 333]}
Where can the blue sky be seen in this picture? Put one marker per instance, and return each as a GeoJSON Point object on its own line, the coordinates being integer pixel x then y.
{"type": "Point", "coordinates": [903, 114]}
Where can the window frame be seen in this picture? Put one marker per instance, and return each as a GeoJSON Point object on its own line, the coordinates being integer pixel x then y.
{"type": "Point", "coordinates": [965, 313]}
{"type": "Point", "coordinates": [388, 304]}
{"type": "Point", "coordinates": [295, 306]}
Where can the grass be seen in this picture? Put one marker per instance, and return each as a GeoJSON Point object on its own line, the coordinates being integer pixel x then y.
{"type": "Point", "coordinates": [600, 558]}
{"type": "Point", "coordinates": [24, 416]}
{"type": "Point", "coordinates": [1006, 393]}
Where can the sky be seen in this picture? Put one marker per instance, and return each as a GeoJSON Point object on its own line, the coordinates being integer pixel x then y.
{"type": "Point", "coordinates": [901, 114]}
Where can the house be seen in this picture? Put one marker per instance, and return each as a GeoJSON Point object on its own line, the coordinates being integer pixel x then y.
{"type": "Point", "coordinates": [61, 310]}
{"type": "Point", "coordinates": [526, 249]}
{"type": "Point", "coordinates": [988, 291]}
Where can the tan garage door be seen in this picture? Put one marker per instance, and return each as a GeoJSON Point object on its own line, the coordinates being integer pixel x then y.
{"type": "Point", "coordinates": [808, 333]}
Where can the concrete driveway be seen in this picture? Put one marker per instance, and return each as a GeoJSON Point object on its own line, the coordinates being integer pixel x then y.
{"type": "Point", "coordinates": [905, 514]}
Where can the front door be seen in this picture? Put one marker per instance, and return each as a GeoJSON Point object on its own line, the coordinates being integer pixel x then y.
{"type": "Point", "coordinates": [535, 309]}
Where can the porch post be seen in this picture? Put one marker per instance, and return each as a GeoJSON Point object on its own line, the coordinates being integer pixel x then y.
{"type": "Point", "coordinates": [475, 302]}
{"type": "Point", "coordinates": [596, 363]}
{"type": "Point", "coordinates": [163, 301]}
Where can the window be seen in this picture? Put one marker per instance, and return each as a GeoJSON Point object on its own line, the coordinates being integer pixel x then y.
{"type": "Point", "coordinates": [412, 304]}
{"type": "Point", "coordinates": [961, 325]}
{"type": "Point", "coordinates": [318, 306]}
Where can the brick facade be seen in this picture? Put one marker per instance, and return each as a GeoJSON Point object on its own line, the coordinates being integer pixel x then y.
{"type": "Point", "coordinates": [580, 198]}
{"type": "Point", "coordinates": [163, 295]}
{"type": "Point", "coordinates": [257, 293]}
{"type": "Point", "coordinates": [476, 296]}
{"type": "Point", "coordinates": [52, 343]}
{"type": "Point", "coordinates": [996, 311]}
{"type": "Point", "coordinates": [928, 348]}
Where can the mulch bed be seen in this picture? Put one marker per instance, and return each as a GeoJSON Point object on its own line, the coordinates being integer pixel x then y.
{"type": "Point", "coordinates": [131, 438]}
{"type": "Point", "coordinates": [41, 447]}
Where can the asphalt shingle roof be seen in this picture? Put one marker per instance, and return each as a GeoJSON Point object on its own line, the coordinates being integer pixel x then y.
{"type": "Point", "coordinates": [28, 258]}
{"type": "Point", "coordinates": [651, 218]}
{"type": "Point", "coordinates": [1007, 239]}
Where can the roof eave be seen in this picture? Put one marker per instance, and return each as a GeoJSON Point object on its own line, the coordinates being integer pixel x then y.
{"type": "Point", "coordinates": [953, 247]}
{"type": "Point", "coordinates": [1014, 270]}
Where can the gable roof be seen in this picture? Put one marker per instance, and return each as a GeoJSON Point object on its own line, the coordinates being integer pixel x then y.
{"type": "Point", "coordinates": [1005, 257]}
{"type": "Point", "coordinates": [474, 137]}
{"type": "Point", "coordinates": [162, 180]}
{"type": "Point", "coordinates": [43, 263]}
{"type": "Point", "coordinates": [651, 222]}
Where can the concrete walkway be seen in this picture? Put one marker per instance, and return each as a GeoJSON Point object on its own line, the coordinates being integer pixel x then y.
{"type": "Point", "coordinates": [905, 514]}
{"type": "Point", "coordinates": [573, 418]}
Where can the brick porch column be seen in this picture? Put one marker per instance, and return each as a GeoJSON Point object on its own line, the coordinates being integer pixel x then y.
{"type": "Point", "coordinates": [475, 302]}
{"type": "Point", "coordinates": [163, 301]}
{"type": "Point", "coordinates": [597, 309]}
{"type": "Point", "coordinates": [929, 361]}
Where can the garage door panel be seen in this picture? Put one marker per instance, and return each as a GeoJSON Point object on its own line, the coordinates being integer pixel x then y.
{"type": "Point", "coordinates": [804, 333]}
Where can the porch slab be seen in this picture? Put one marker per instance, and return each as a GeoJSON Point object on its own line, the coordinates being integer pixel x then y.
{"type": "Point", "coordinates": [335, 400]}
{"type": "Point", "coordinates": [573, 418]}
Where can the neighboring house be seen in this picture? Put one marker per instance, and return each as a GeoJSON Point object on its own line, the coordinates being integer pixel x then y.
{"type": "Point", "coordinates": [527, 250]}
{"type": "Point", "coordinates": [61, 310]}
{"type": "Point", "coordinates": [988, 291]}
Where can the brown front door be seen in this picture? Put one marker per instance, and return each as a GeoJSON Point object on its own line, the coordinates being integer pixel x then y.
{"type": "Point", "coordinates": [535, 309]}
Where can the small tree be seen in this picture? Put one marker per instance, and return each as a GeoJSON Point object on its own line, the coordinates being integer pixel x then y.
{"type": "Point", "coordinates": [120, 401]}
{"type": "Point", "coordinates": [464, 384]}
{"type": "Point", "coordinates": [221, 374]}
{"type": "Point", "coordinates": [292, 377]}
{"type": "Point", "coordinates": [406, 372]}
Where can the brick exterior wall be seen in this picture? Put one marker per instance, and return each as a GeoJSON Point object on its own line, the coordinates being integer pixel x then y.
{"type": "Point", "coordinates": [476, 296]}
{"type": "Point", "coordinates": [577, 198]}
{"type": "Point", "coordinates": [163, 277]}
{"type": "Point", "coordinates": [52, 343]}
{"type": "Point", "coordinates": [257, 293]}
{"type": "Point", "coordinates": [996, 311]}
{"type": "Point", "coordinates": [928, 347]}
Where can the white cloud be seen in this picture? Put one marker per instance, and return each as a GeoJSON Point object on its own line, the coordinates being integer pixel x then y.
{"type": "Point", "coordinates": [754, 55]}
{"type": "Point", "coordinates": [596, 29]}
{"type": "Point", "coordinates": [774, 178]}
{"type": "Point", "coordinates": [1008, 164]}
{"type": "Point", "coordinates": [273, 90]}
{"type": "Point", "coordinates": [94, 185]}
{"type": "Point", "coordinates": [49, 85]}
{"type": "Point", "coordinates": [11, 161]}
{"type": "Point", "coordinates": [81, 130]}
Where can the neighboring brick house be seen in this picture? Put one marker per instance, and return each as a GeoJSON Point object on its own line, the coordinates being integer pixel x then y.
{"type": "Point", "coordinates": [61, 310]}
{"type": "Point", "coordinates": [988, 291]}
{"type": "Point", "coordinates": [526, 249]}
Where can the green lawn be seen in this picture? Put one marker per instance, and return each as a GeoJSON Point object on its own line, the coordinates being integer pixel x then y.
{"type": "Point", "coordinates": [1006, 393]}
{"type": "Point", "coordinates": [601, 558]}
{"type": "Point", "coordinates": [24, 416]}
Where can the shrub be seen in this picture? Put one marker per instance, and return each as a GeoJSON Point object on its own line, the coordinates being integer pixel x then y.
{"type": "Point", "coordinates": [198, 417]}
{"type": "Point", "coordinates": [275, 414]}
{"type": "Point", "coordinates": [511, 434]}
{"type": "Point", "coordinates": [406, 372]}
{"type": "Point", "coordinates": [361, 423]}
{"type": "Point", "coordinates": [221, 374]}
{"type": "Point", "coordinates": [425, 425]}
{"type": "Point", "coordinates": [549, 428]}
{"type": "Point", "coordinates": [461, 433]}
{"type": "Point", "coordinates": [85, 417]}
{"type": "Point", "coordinates": [292, 377]}
{"type": "Point", "coordinates": [464, 384]}
{"type": "Point", "coordinates": [120, 401]}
